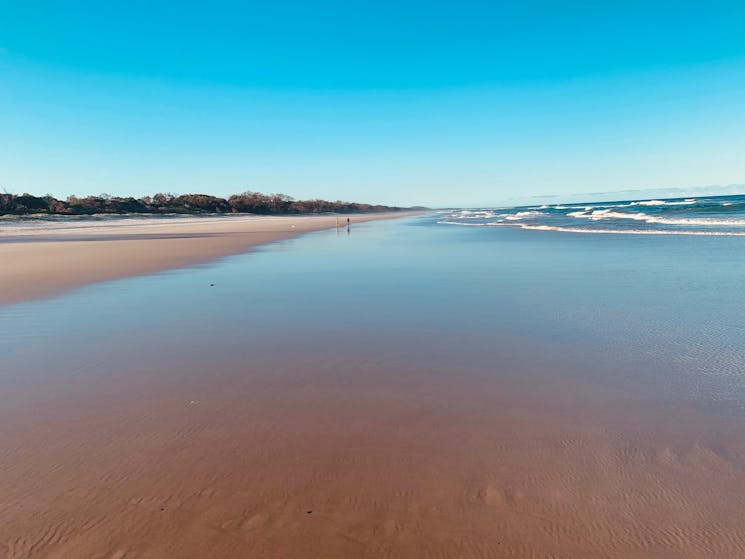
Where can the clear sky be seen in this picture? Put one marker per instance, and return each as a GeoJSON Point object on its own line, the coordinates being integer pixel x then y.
{"type": "Point", "coordinates": [438, 103]}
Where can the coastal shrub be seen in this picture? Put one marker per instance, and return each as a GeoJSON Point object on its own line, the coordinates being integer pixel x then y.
{"type": "Point", "coordinates": [162, 203]}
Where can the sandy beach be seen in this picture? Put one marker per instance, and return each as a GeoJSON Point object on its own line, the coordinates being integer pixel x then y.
{"type": "Point", "coordinates": [372, 280]}
{"type": "Point", "coordinates": [358, 397]}
{"type": "Point", "coordinates": [347, 458]}
{"type": "Point", "coordinates": [48, 262]}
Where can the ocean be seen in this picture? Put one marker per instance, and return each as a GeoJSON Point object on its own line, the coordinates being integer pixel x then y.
{"type": "Point", "coordinates": [715, 215]}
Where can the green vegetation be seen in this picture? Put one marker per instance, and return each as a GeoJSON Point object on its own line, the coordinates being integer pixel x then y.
{"type": "Point", "coordinates": [248, 202]}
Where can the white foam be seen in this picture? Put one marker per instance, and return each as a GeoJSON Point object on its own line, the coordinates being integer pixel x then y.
{"type": "Point", "coordinates": [522, 215]}
{"type": "Point", "coordinates": [473, 214]}
{"type": "Point", "coordinates": [622, 231]}
{"type": "Point", "coordinates": [646, 218]}
{"type": "Point", "coordinates": [601, 231]}
{"type": "Point", "coordinates": [686, 202]}
{"type": "Point", "coordinates": [610, 214]}
{"type": "Point", "coordinates": [694, 221]}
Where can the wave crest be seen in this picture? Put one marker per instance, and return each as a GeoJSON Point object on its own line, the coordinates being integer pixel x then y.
{"type": "Point", "coordinates": [724, 216]}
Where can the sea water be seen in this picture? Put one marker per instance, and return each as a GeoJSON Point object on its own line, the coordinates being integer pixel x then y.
{"type": "Point", "coordinates": [715, 215]}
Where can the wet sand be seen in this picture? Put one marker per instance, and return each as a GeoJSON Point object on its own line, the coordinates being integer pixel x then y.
{"type": "Point", "coordinates": [348, 458]}
{"type": "Point", "coordinates": [52, 262]}
{"type": "Point", "coordinates": [223, 439]}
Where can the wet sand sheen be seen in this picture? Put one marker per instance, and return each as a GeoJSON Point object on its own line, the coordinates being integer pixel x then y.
{"type": "Point", "coordinates": [190, 428]}
{"type": "Point", "coordinates": [52, 262]}
{"type": "Point", "coordinates": [347, 458]}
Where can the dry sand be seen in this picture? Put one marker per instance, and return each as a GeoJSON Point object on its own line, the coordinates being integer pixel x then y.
{"type": "Point", "coordinates": [340, 458]}
{"type": "Point", "coordinates": [54, 261]}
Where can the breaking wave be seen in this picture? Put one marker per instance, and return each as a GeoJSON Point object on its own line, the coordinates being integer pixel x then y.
{"type": "Point", "coordinates": [706, 216]}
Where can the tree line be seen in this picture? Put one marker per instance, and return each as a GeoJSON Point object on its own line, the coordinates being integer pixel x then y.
{"type": "Point", "coordinates": [247, 202]}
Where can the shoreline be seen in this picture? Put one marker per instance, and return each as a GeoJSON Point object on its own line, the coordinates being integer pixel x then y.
{"type": "Point", "coordinates": [401, 393]}
{"type": "Point", "coordinates": [47, 264]}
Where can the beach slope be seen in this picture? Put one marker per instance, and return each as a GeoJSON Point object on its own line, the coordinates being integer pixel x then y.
{"type": "Point", "coordinates": [41, 262]}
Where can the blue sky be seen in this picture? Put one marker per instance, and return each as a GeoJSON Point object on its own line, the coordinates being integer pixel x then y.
{"type": "Point", "coordinates": [465, 103]}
